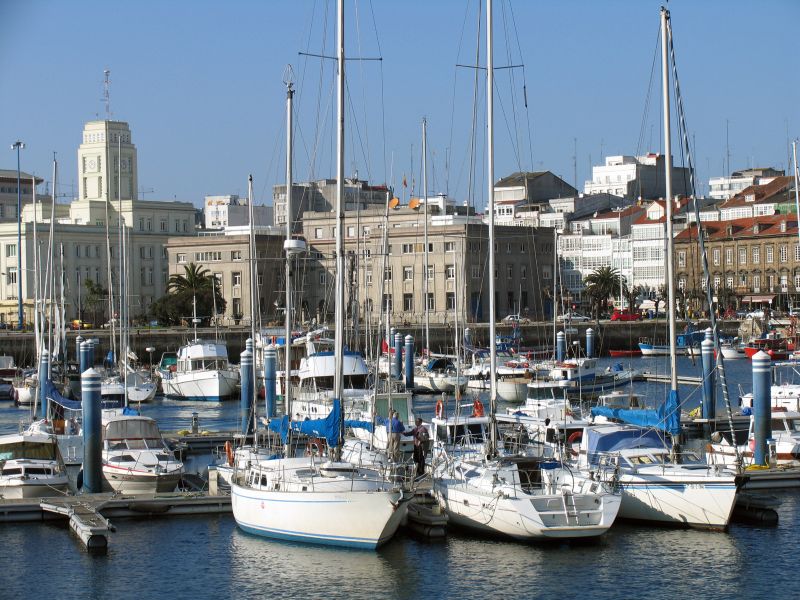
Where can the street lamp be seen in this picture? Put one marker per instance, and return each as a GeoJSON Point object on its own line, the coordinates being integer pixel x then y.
{"type": "Point", "coordinates": [19, 146]}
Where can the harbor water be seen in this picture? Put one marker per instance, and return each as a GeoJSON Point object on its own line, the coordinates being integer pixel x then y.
{"type": "Point", "coordinates": [207, 556]}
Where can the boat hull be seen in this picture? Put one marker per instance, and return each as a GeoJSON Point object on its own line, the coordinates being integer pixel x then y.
{"type": "Point", "coordinates": [17, 489]}
{"type": "Point", "coordinates": [210, 386]}
{"type": "Point", "coordinates": [356, 520]}
{"type": "Point", "coordinates": [137, 482]}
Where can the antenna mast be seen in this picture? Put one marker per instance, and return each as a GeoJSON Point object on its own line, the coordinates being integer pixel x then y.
{"type": "Point", "coordinates": [107, 92]}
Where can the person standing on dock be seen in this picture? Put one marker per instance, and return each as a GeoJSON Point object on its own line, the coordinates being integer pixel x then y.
{"type": "Point", "coordinates": [421, 439]}
{"type": "Point", "coordinates": [396, 429]}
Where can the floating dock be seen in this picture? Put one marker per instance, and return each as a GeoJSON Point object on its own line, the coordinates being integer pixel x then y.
{"type": "Point", "coordinates": [89, 514]}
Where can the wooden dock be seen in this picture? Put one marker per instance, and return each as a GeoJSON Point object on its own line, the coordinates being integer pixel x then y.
{"type": "Point", "coordinates": [89, 514]}
{"type": "Point", "coordinates": [665, 378]}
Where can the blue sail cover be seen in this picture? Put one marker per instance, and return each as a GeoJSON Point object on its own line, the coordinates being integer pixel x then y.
{"type": "Point", "coordinates": [52, 394]}
{"type": "Point", "coordinates": [327, 428]}
{"type": "Point", "coordinates": [666, 417]}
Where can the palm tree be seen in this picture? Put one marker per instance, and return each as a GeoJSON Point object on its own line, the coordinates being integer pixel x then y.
{"type": "Point", "coordinates": [194, 279]}
{"type": "Point", "coordinates": [601, 284]}
{"type": "Point", "coordinates": [631, 294]}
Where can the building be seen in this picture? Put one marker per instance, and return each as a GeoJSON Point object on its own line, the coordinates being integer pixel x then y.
{"type": "Point", "coordinates": [220, 212]}
{"type": "Point", "coordinates": [636, 178]}
{"type": "Point", "coordinates": [722, 188]}
{"type": "Point", "coordinates": [557, 212]}
{"type": "Point", "coordinates": [8, 193]}
{"type": "Point", "coordinates": [649, 242]}
{"type": "Point", "coordinates": [320, 196]}
{"type": "Point", "coordinates": [751, 261]}
{"type": "Point", "coordinates": [457, 263]}
{"type": "Point", "coordinates": [766, 198]}
{"type": "Point", "coordinates": [86, 233]}
{"type": "Point", "coordinates": [226, 254]}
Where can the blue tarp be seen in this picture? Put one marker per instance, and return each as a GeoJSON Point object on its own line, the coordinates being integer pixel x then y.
{"type": "Point", "coordinates": [54, 395]}
{"type": "Point", "coordinates": [327, 428]}
{"type": "Point", "coordinates": [666, 418]}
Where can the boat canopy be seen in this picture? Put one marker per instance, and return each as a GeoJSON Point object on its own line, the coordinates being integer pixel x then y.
{"type": "Point", "coordinates": [440, 364]}
{"type": "Point", "coordinates": [666, 417]}
{"type": "Point", "coordinates": [327, 428]}
{"type": "Point", "coordinates": [622, 438]}
{"type": "Point", "coordinates": [132, 428]}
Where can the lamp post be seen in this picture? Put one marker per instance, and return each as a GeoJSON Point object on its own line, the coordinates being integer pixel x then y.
{"type": "Point", "coordinates": [19, 146]}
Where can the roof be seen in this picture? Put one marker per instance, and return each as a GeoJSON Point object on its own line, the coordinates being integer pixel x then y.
{"type": "Point", "coordinates": [769, 225]}
{"type": "Point", "coordinates": [683, 203]}
{"type": "Point", "coordinates": [518, 178]}
{"type": "Point", "coordinates": [12, 174]}
{"type": "Point", "coordinates": [760, 193]}
{"type": "Point", "coordinates": [610, 214]}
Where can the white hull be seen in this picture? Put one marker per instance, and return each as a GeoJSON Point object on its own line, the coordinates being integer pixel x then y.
{"type": "Point", "coordinates": [440, 383]}
{"type": "Point", "coordinates": [130, 481]}
{"type": "Point", "coordinates": [25, 394]}
{"type": "Point", "coordinates": [338, 511]}
{"type": "Point", "coordinates": [731, 353]}
{"type": "Point", "coordinates": [16, 489]}
{"type": "Point", "coordinates": [201, 385]}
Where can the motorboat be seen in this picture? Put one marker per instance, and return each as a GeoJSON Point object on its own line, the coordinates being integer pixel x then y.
{"type": "Point", "coordinates": [439, 375]}
{"type": "Point", "coordinates": [140, 388]}
{"type": "Point", "coordinates": [201, 372]}
{"type": "Point", "coordinates": [683, 342]}
{"type": "Point", "coordinates": [135, 457]}
{"type": "Point", "coordinates": [31, 466]}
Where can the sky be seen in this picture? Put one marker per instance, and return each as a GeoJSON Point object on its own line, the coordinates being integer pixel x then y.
{"type": "Point", "coordinates": [201, 84]}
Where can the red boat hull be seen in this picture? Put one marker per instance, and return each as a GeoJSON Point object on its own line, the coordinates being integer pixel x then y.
{"type": "Point", "coordinates": [624, 353]}
{"type": "Point", "coordinates": [774, 354]}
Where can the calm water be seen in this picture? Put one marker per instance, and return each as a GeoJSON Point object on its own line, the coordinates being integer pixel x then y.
{"type": "Point", "coordinates": [201, 557]}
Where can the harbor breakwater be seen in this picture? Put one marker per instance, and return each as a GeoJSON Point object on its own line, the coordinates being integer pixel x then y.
{"type": "Point", "coordinates": [609, 335]}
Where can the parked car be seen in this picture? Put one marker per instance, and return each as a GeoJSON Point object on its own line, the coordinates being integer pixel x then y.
{"type": "Point", "coordinates": [625, 315]}
{"type": "Point", "coordinates": [515, 320]}
{"type": "Point", "coordinates": [573, 318]}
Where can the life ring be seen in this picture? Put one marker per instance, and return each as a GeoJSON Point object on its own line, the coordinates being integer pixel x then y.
{"type": "Point", "coordinates": [575, 436]}
{"type": "Point", "coordinates": [229, 452]}
{"type": "Point", "coordinates": [439, 408]}
{"type": "Point", "coordinates": [477, 409]}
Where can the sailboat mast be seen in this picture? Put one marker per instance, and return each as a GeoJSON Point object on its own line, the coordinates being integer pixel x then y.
{"type": "Point", "coordinates": [339, 300]}
{"type": "Point", "coordinates": [490, 180]}
{"type": "Point", "coordinates": [796, 185]}
{"type": "Point", "coordinates": [425, 266]}
{"type": "Point", "coordinates": [673, 357]}
{"type": "Point", "coordinates": [287, 369]}
{"type": "Point", "coordinates": [35, 273]}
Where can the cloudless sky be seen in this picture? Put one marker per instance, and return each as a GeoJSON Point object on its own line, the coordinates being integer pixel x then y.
{"type": "Point", "coordinates": [201, 84]}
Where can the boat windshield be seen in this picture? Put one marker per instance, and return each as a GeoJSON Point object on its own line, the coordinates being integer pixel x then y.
{"type": "Point", "coordinates": [30, 450]}
{"type": "Point", "coordinates": [785, 424]}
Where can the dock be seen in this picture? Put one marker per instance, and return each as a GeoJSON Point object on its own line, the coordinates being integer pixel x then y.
{"type": "Point", "coordinates": [89, 514]}
{"type": "Point", "coordinates": [665, 378]}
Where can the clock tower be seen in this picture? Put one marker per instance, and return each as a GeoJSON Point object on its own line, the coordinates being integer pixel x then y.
{"type": "Point", "coordinates": [107, 168]}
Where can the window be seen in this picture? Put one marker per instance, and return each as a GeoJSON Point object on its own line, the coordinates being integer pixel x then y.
{"type": "Point", "coordinates": [728, 256]}
{"type": "Point", "coordinates": [475, 271]}
{"type": "Point", "coordinates": [185, 225]}
{"type": "Point", "coordinates": [743, 279]}
{"type": "Point", "coordinates": [770, 257]}
{"type": "Point", "coordinates": [717, 281]}
{"type": "Point", "coordinates": [743, 256]}
{"type": "Point", "coordinates": [150, 225]}
{"type": "Point", "coordinates": [387, 274]}
{"type": "Point", "coordinates": [236, 278]}
{"type": "Point", "coordinates": [11, 277]}
{"type": "Point", "coordinates": [163, 225]}
{"type": "Point", "coordinates": [387, 303]}
{"type": "Point", "coordinates": [181, 258]}
{"type": "Point", "coordinates": [522, 247]}
{"type": "Point", "coordinates": [141, 224]}
{"type": "Point", "coordinates": [322, 278]}
{"type": "Point", "coordinates": [784, 253]}
{"type": "Point", "coordinates": [796, 251]}
{"type": "Point", "coordinates": [142, 251]}
{"type": "Point", "coordinates": [408, 273]}
{"type": "Point", "coordinates": [318, 233]}
{"type": "Point", "coordinates": [729, 282]}
{"type": "Point", "coordinates": [682, 258]}
{"type": "Point", "coordinates": [508, 248]}
{"type": "Point", "coordinates": [756, 253]}
{"type": "Point", "coordinates": [715, 255]}
{"type": "Point", "coordinates": [408, 302]}
{"type": "Point", "coordinates": [408, 248]}
{"type": "Point", "coordinates": [431, 305]}
{"type": "Point", "coordinates": [430, 272]}
{"type": "Point", "coordinates": [449, 246]}
{"type": "Point", "coordinates": [177, 226]}
{"type": "Point", "coordinates": [797, 282]}
{"type": "Point", "coordinates": [756, 283]}
{"type": "Point", "coordinates": [369, 277]}
{"type": "Point", "coordinates": [771, 282]}
{"type": "Point", "coordinates": [78, 251]}
{"type": "Point", "coordinates": [236, 255]}
{"type": "Point", "coordinates": [11, 250]}
{"type": "Point", "coordinates": [682, 283]}
{"type": "Point", "coordinates": [351, 231]}
{"type": "Point", "coordinates": [510, 271]}
{"type": "Point", "coordinates": [450, 271]}
{"type": "Point", "coordinates": [451, 300]}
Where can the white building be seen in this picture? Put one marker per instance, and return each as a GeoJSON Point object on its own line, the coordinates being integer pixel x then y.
{"type": "Point", "coordinates": [722, 188]}
{"type": "Point", "coordinates": [220, 212]}
{"type": "Point", "coordinates": [635, 177]}
{"type": "Point", "coordinates": [649, 241]}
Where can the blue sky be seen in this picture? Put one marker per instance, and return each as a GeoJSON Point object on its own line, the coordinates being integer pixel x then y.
{"type": "Point", "coordinates": [201, 85]}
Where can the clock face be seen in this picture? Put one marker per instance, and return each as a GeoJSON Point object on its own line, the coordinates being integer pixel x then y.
{"type": "Point", "coordinates": [92, 164]}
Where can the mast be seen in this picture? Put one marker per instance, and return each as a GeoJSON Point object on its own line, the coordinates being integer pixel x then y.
{"type": "Point", "coordinates": [123, 348]}
{"type": "Point", "coordinates": [251, 274]}
{"type": "Point", "coordinates": [673, 357]}
{"type": "Point", "coordinates": [338, 389]}
{"type": "Point", "coordinates": [796, 185]}
{"type": "Point", "coordinates": [288, 303]}
{"type": "Point", "coordinates": [36, 274]}
{"type": "Point", "coordinates": [555, 286]}
{"type": "Point", "coordinates": [425, 266]}
{"type": "Point", "coordinates": [490, 180]}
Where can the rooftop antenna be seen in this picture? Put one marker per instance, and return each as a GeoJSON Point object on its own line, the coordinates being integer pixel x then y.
{"type": "Point", "coordinates": [107, 92]}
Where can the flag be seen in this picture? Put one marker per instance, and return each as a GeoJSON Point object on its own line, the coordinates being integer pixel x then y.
{"type": "Point", "coordinates": [405, 183]}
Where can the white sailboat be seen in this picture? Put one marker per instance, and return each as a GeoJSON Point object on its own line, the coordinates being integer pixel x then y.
{"type": "Point", "coordinates": [517, 496]}
{"type": "Point", "coordinates": [314, 499]}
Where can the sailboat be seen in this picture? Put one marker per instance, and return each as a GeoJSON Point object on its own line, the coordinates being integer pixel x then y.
{"type": "Point", "coordinates": [316, 499]}
{"type": "Point", "coordinates": [515, 495]}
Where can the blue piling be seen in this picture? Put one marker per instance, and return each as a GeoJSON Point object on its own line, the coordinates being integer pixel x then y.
{"type": "Point", "coordinates": [246, 390]}
{"type": "Point", "coordinates": [78, 341]}
{"type": "Point", "coordinates": [589, 343]}
{"type": "Point", "coordinates": [92, 455]}
{"type": "Point", "coordinates": [92, 347]}
{"type": "Point", "coordinates": [398, 355]}
{"type": "Point", "coordinates": [467, 336]}
{"type": "Point", "coordinates": [85, 353]}
{"type": "Point", "coordinates": [709, 378]}
{"type": "Point", "coordinates": [409, 362]}
{"type": "Point", "coordinates": [762, 392]}
{"type": "Point", "coordinates": [561, 346]}
{"type": "Point", "coordinates": [44, 368]}
{"type": "Point", "coordinates": [270, 379]}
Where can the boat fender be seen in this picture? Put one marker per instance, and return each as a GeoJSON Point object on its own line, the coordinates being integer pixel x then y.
{"type": "Point", "coordinates": [477, 408]}
{"type": "Point", "coordinates": [752, 444]}
{"type": "Point", "coordinates": [574, 437]}
{"type": "Point", "coordinates": [229, 452]}
{"type": "Point", "coordinates": [314, 447]}
{"type": "Point", "coordinates": [439, 409]}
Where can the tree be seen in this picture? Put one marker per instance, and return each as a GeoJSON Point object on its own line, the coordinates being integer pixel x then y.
{"type": "Point", "coordinates": [661, 295]}
{"type": "Point", "coordinates": [601, 284]}
{"type": "Point", "coordinates": [96, 298]}
{"type": "Point", "coordinates": [183, 290]}
{"type": "Point", "coordinates": [632, 294]}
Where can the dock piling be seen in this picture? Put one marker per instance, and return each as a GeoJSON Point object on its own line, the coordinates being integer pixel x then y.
{"type": "Point", "coordinates": [409, 362]}
{"type": "Point", "coordinates": [92, 458]}
{"type": "Point", "coordinates": [270, 379]}
{"type": "Point", "coordinates": [762, 392]}
{"type": "Point", "coordinates": [246, 388]}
